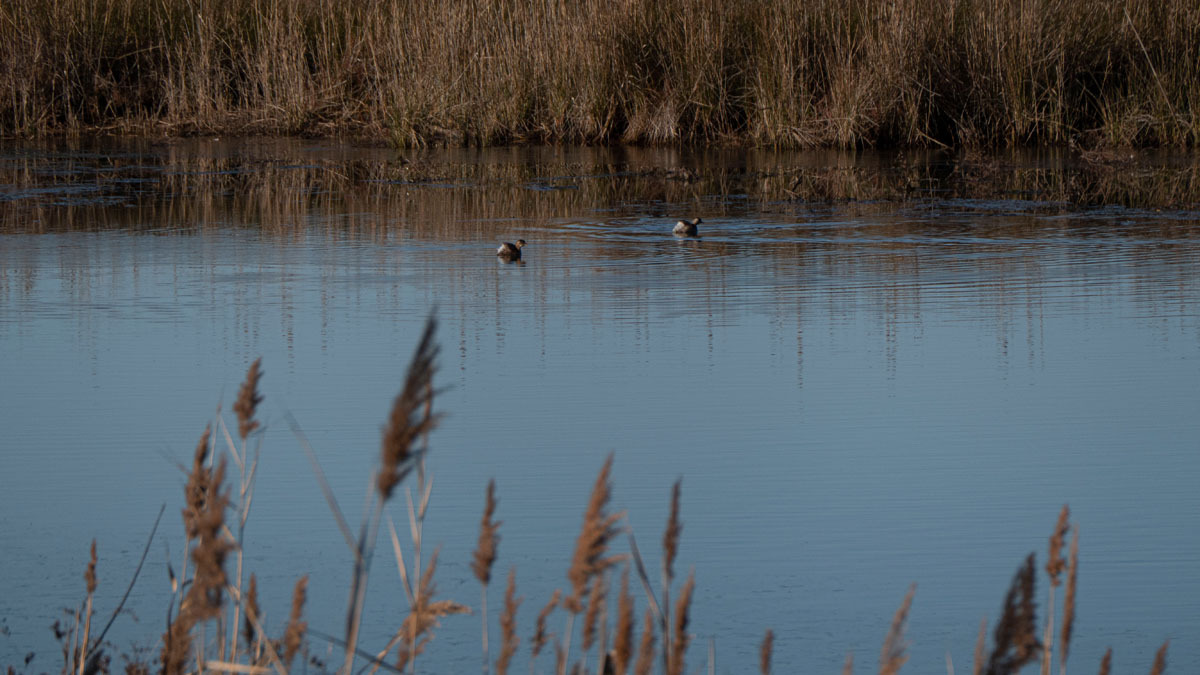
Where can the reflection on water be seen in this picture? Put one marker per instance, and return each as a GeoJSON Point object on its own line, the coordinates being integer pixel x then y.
{"type": "Point", "coordinates": [868, 370]}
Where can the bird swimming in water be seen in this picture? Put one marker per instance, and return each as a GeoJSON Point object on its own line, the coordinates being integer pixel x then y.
{"type": "Point", "coordinates": [686, 229]}
{"type": "Point", "coordinates": [510, 251]}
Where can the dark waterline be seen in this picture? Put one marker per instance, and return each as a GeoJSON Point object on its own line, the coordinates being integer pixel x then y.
{"type": "Point", "coordinates": [868, 371]}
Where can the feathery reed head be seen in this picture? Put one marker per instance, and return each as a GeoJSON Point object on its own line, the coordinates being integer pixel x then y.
{"type": "Point", "coordinates": [206, 594]}
{"type": "Point", "coordinates": [1106, 662]}
{"type": "Point", "coordinates": [1160, 660]}
{"type": "Point", "coordinates": [1069, 595]}
{"type": "Point", "coordinates": [248, 400]}
{"type": "Point", "coordinates": [764, 652]}
{"type": "Point", "coordinates": [424, 616]}
{"type": "Point", "coordinates": [645, 657]}
{"type": "Point", "coordinates": [293, 635]}
{"type": "Point", "coordinates": [892, 656]}
{"type": "Point", "coordinates": [508, 624]}
{"type": "Point", "coordinates": [1016, 633]}
{"type": "Point", "coordinates": [623, 640]}
{"type": "Point", "coordinates": [680, 638]}
{"type": "Point", "coordinates": [199, 484]}
{"type": "Point", "coordinates": [598, 528]}
{"type": "Point", "coordinates": [411, 414]}
{"type": "Point", "coordinates": [1055, 562]}
{"type": "Point", "coordinates": [980, 649]}
{"type": "Point", "coordinates": [540, 635]}
{"type": "Point", "coordinates": [848, 664]}
{"type": "Point", "coordinates": [595, 608]}
{"type": "Point", "coordinates": [671, 534]}
{"type": "Point", "coordinates": [89, 576]}
{"type": "Point", "coordinates": [485, 550]}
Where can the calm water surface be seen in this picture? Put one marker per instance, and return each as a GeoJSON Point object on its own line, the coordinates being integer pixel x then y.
{"type": "Point", "coordinates": [868, 372]}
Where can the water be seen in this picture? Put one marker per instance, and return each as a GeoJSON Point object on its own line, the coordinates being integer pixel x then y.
{"type": "Point", "coordinates": [869, 371]}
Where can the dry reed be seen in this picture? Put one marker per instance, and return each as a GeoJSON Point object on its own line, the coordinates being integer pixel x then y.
{"type": "Point", "coordinates": [980, 649]}
{"type": "Point", "coordinates": [681, 639]}
{"type": "Point", "coordinates": [595, 609]}
{"type": "Point", "coordinates": [623, 640]}
{"type": "Point", "coordinates": [508, 624]}
{"type": "Point", "coordinates": [1106, 662]}
{"type": "Point", "coordinates": [424, 615]}
{"type": "Point", "coordinates": [541, 636]}
{"type": "Point", "coordinates": [252, 612]}
{"type": "Point", "coordinates": [764, 652]}
{"type": "Point", "coordinates": [410, 417]}
{"type": "Point", "coordinates": [1016, 633]}
{"type": "Point", "coordinates": [248, 399]}
{"type": "Point", "coordinates": [293, 635]}
{"type": "Point", "coordinates": [1160, 660]}
{"type": "Point", "coordinates": [483, 559]}
{"type": "Point", "coordinates": [1068, 622]}
{"type": "Point", "coordinates": [892, 655]}
{"type": "Point", "coordinates": [599, 527]}
{"type": "Point", "coordinates": [645, 656]}
{"type": "Point", "coordinates": [848, 665]}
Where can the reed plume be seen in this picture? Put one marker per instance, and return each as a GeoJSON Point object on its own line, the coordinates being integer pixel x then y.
{"type": "Point", "coordinates": [672, 533]}
{"type": "Point", "coordinates": [681, 639]}
{"type": "Point", "coordinates": [1106, 662]}
{"type": "Point", "coordinates": [424, 616]}
{"type": "Point", "coordinates": [645, 657]}
{"type": "Point", "coordinates": [508, 624]}
{"type": "Point", "coordinates": [595, 608]}
{"type": "Point", "coordinates": [248, 400]}
{"type": "Point", "coordinates": [1054, 568]}
{"type": "Point", "coordinates": [89, 578]}
{"type": "Point", "coordinates": [980, 649]}
{"type": "Point", "coordinates": [1160, 660]}
{"type": "Point", "coordinates": [623, 640]}
{"type": "Point", "coordinates": [293, 635]}
{"type": "Point", "coordinates": [764, 652]}
{"type": "Point", "coordinates": [848, 665]}
{"type": "Point", "coordinates": [484, 557]}
{"type": "Point", "coordinates": [410, 417]}
{"type": "Point", "coordinates": [598, 529]}
{"type": "Point", "coordinates": [1068, 624]}
{"type": "Point", "coordinates": [892, 656]}
{"type": "Point", "coordinates": [1015, 635]}
{"type": "Point", "coordinates": [540, 635]}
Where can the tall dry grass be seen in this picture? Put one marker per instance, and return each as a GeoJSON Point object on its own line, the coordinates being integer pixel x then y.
{"type": "Point", "coordinates": [794, 73]}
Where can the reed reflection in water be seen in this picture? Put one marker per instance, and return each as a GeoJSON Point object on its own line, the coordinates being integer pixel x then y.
{"type": "Point", "coordinates": [868, 371]}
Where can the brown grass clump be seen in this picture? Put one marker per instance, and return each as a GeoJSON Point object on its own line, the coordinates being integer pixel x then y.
{"type": "Point", "coordinates": [645, 657]}
{"type": "Point", "coordinates": [1160, 660]}
{"type": "Point", "coordinates": [623, 640]}
{"type": "Point", "coordinates": [508, 624]}
{"type": "Point", "coordinates": [892, 656]}
{"type": "Point", "coordinates": [248, 400]}
{"type": "Point", "coordinates": [410, 417]}
{"type": "Point", "coordinates": [764, 652]}
{"type": "Point", "coordinates": [293, 635]}
{"type": "Point", "coordinates": [1015, 635]}
{"type": "Point", "coordinates": [598, 529]}
{"type": "Point", "coordinates": [681, 639]}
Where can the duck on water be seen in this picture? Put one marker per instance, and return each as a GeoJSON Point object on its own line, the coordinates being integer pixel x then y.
{"type": "Point", "coordinates": [510, 251]}
{"type": "Point", "coordinates": [686, 229]}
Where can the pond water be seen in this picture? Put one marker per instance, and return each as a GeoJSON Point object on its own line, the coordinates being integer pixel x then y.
{"type": "Point", "coordinates": [869, 370]}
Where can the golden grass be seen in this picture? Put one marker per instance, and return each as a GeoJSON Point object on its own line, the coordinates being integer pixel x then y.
{"type": "Point", "coordinates": [793, 73]}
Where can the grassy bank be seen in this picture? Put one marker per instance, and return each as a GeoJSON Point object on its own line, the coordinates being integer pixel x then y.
{"type": "Point", "coordinates": [793, 73]}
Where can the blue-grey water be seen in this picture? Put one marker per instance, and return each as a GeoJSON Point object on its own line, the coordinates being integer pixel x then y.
{"type": "Point", "coordinates": [868, 372]}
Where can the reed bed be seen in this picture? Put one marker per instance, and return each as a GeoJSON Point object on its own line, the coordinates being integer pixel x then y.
{"type": "Point", "coordinates": [204, 633]}
{"type": "Point", "coordinates": [793, 73]}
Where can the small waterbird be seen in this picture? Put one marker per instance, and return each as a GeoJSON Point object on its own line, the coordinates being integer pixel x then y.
{"type": "Point", "coordinates": [510, 251]}
{"type": "Point", "coordinates": [685, 229]}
